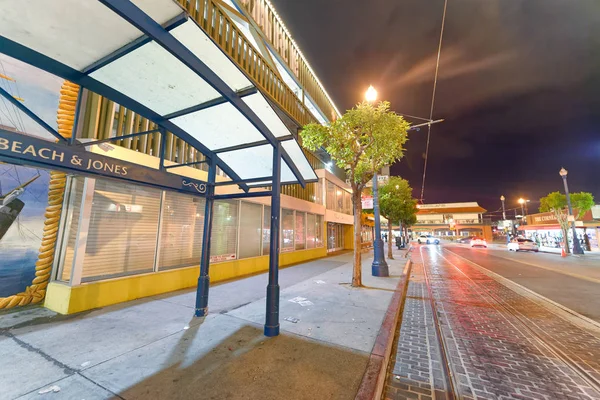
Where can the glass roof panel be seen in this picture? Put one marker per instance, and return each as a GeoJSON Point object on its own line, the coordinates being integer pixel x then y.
{"type": "Point", "coordinates": [297, 155]}
{"type": "Point", "coordinates": [191, 36]}
{"type": "Point", "coordinates": [265, 112]}
{"type": "Point", "coordinates": [219, 126]}
{"type": "Point", "coordinates": [91, 30]}
{"type": "Point", "coordinates": [155, 78]}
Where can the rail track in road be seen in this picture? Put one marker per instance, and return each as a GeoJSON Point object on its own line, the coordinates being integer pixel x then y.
{"type": "Point", "coordinates": [455, 387]}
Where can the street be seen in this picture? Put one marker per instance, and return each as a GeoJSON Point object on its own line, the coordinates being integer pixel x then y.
{"type": "Point", "coordinates": [490, 339]}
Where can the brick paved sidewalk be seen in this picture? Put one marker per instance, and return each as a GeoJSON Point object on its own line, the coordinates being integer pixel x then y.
{"type": "Point", "coordinates": [500, 344]}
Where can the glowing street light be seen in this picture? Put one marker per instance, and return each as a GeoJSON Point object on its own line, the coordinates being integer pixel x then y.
{"type": "Point", "coordinates": [371, 94]}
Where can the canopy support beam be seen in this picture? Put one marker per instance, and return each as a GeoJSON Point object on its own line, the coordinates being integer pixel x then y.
{"type": "Point", "coordinates": [204, 279]}
{"type": "Point", "coordinates": [32, 115]}
{"type": "Point", "coordinates": [272, 314]}
{"type": "Point", "coordinates": [231, 196]}
{"type": "Point", "coordinates": [115, 138]}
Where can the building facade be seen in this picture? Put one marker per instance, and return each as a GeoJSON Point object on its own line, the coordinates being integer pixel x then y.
{"type": "Point", "coordinates": [452, 219]}
{"type": "Point", "coordinates": [545, 230]}
{"type": "Point", "coordinates": [97, 241]}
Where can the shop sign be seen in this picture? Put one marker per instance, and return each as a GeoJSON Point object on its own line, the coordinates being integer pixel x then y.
{"type": "Point", "coordinates": [542, 219]}
{"type": "Point", "coordinates": [222, 257]}
{"type": "Point", "coordinates": [367, 202]}
{"type": "Point", "coordinates": [22, 149]}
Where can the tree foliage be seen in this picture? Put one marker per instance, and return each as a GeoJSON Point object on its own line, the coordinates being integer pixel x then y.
{"type": "Point", "coordinates": [395, 200]}
{"type": "Point", "coordinates": [364, 140]}
{"type": "Point", "coordinates": [397, 204]}
{"type": "Point", "coordinates": [556, 203]}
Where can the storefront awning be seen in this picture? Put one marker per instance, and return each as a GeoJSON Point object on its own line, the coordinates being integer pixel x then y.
{"type": "Point", "coordinates": [148, 56]}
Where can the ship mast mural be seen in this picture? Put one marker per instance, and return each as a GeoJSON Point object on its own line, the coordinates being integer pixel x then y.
{"type": "Point", "coordinates": [30, 198]}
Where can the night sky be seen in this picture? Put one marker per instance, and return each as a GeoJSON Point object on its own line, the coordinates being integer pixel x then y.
{"type": "Point", "coordinates": [518, 87]}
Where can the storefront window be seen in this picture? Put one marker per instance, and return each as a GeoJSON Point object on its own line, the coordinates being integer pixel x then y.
{"type": "Point", "coordinates": [122, 233]}
{"type": "Point", "coordinates": [266, 232]}
{"type": "Point", "coordinates": [319, 192]}
{"type": "Point", "coordinates": [339, 196]}
{"type": "Point", "coordinates": [347, 203]}
{"type": "Point", "coordinates": [224, 231]}
{"type": "Point", "coordinates": [250, 229]}
{"type": "Point", "coordinates": [71, 227]}
{"type": "Point", "coordinates": [287, 230]}
{"type": "Point", "coordinates": [331, 200]}
{"type": "Point", "coordinates": [319, 231]}
{"type": "Point", "coordinates": [181, 230]}
{"type": "Point", "coordinates": [311, 226]}
{"type": "Point", "coordinates": [300, 230]}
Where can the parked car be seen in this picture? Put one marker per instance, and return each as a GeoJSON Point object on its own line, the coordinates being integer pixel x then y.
{"type": "Point", "coordinates": [522, 244]}
{"type": "Point", "coordinates": [477, 241]}
{"type": "Point", "coordinates": [465, 240]}
{"type": "Point", "coordinates": [428, 239]}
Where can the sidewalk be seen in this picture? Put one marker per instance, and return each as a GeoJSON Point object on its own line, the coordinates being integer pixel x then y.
{"type": "Point", "coordinates": [154, 348]}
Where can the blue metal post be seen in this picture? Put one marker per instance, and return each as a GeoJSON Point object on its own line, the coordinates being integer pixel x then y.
{"type": "Point", "coordinates": [576, 245]}
{"type": "Point", "coordinates": [204, 279]}
{"type": "Point", "coordinates": [379, 266]}
{"type": "Point", "coordinates": [272, 316]}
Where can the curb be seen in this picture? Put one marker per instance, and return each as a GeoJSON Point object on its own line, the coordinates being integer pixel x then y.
{"type": "Point", "coordinates": [373, 381]}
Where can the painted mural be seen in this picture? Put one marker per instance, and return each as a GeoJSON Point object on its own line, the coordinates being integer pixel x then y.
{"type": "Point", "coordinates": [23, 202]}
{"type": "Point", "coordinates": [30, 199]}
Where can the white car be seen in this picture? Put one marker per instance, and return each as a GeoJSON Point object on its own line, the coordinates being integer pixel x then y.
{"type": "Point", "coordinates": [477, 241]}
{"type": "Point", "coordinates": [428, 239]}
{"type": "Point", "coordinates": [522, 244]}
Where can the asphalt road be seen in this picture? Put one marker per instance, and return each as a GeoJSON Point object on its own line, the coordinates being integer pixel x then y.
{"type": "Point", "coordinates": [576, 291]}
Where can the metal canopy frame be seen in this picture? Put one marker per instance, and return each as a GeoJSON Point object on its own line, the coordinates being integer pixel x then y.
{"type": "Point", "coordinates": [152, 31]}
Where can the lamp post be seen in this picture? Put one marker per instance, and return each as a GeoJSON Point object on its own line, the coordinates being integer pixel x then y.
{"type": "Point", "coordinates": [522, 202]}
{"type": "Point", "coordinates": [502, 198]}
{"type": "Point", "coordinates": [576, 246]}
{"type": "Point", "coordinates": [379, 266]}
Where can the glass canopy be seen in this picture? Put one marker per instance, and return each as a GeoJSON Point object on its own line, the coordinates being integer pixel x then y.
{"type": "Point", "coordinates": [150, 57]}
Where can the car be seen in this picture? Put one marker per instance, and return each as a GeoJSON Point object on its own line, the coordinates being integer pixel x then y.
{"type": "Point", "coordinates": [465, 240]}
{"type": "Point", "coordinates": [522, 244]}
{"type": "Point", "coordinates": [477, 241]}
{"type": "Point", "coordinates": [428, 239]}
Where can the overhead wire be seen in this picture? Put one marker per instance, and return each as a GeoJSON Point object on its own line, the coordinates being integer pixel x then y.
{"type": "Point", "coordinates": [437, 67]}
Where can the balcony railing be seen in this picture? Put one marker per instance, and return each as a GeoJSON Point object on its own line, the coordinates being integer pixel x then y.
{"type": "Point", "coordinates": [484, 221]}
{"type": "Point", "coordinates": [223, 31]}
{"type": "Point", "coordinates": [278, 37]}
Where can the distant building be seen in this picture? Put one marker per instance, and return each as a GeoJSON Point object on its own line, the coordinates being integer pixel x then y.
{"type": "Point", "coordinates": [545, 230]}
{"type": "Point", "coordinates": [453, 219]}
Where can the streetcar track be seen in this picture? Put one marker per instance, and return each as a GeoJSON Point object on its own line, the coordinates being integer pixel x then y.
{"type": "Point", "coordinates": [449, 377]}
{"type": "Point", "coordinates": [545, 343]}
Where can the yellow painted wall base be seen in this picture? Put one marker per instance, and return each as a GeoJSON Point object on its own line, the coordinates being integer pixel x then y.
{"type": "Point", "coordinates": [65, 299]}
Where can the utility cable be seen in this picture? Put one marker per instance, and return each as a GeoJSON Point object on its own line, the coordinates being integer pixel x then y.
{"type": "Point", "coordinates": [437, 66]}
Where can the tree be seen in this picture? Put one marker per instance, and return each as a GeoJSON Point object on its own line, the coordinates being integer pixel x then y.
{"type": "Point", "coordinates": [556, 203]}
{"type": "Point", "coordinates": [364, 140]}
{"type": "Point", "coordinates": [396, 204]}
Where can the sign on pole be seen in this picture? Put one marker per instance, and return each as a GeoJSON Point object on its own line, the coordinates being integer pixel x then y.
{"type": "Point", "coordinates": [367, 202]}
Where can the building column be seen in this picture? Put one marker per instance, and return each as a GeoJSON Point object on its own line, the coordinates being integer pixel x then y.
{"type": "Point", "coordinates": [272, 314]}
{"type": "Point", "coordinates": [204, 279]}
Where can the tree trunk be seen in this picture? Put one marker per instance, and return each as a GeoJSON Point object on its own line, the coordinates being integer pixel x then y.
{"type": "Point", "coordinates": [566, 240]}
{"type": "Point", "coordinates": [357, 271]}
{"type": "Point", "coordinates": [390, 236]}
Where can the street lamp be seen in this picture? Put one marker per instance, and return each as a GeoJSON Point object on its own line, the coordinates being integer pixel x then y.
{"type": "Point", "coordinates": [502, 198]}
{"type": "Point", "coordinates": [379, 266]}
{"type": "Point", "coordinates": [576, 246]}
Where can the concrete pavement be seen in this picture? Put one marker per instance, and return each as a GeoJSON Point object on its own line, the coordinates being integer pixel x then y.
{"type": "Point", "coordinates": [155, 348]}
